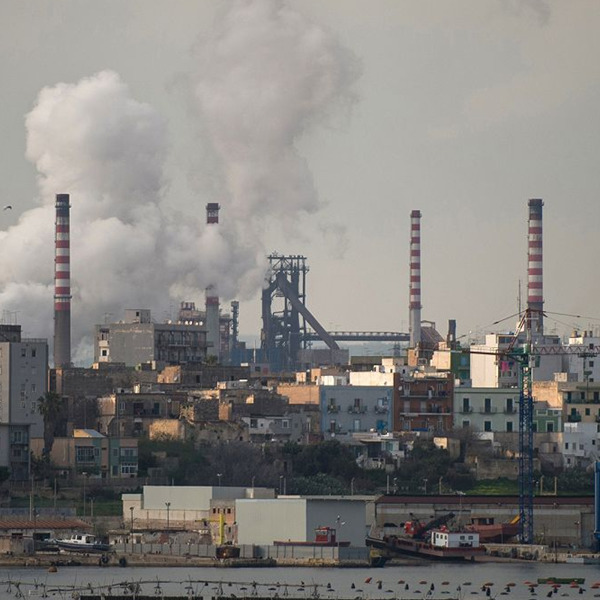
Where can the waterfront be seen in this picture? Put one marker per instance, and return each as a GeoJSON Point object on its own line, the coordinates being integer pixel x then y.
{"type": "Point", "coordinates": [435, 581]}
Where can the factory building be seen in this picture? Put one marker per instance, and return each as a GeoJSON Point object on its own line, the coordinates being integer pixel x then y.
{"type": "Point", "coordinates": [23, 380]}
{"type": "Point", "coordinates": [138, 340]}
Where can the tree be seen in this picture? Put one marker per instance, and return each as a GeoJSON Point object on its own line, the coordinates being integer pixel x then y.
{"type": "Point", "coordinates": [50, 406]}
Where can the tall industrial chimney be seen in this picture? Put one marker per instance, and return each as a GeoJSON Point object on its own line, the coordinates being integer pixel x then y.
{"type": "Point", "coordinates": [213, 330]}
{"type": "Point", "coordinates": [535, 275]}
{"type": "Point", "coordinates": [62, 285]}
{"type": "Point", "coordinates": [415, 279]}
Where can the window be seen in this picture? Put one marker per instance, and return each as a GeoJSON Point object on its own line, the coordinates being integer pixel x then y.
{"type": "Point", "coordinates": [104, 352]}
{"type": "Point", "coordinates": [509, 405]}
{"type": "Point", "coordinates": [566, 445]}
{"type": "Point", "coordinates": [487, 425]}
{"type": "Point", "coordinates": [587, 412]}
{"type": "Point", "coordinates": [285, 424]}
{"type": "Point", "coordinates": [466, 405]}
{"type": "Point", "coordinates": [509, 426]}
{"type": "Point", "coordinates": [549, 427]}
{"type": "Point", "coordinates": [84, 454]}
{"type": "Point", "coordinates": [487, 405]}
{"type": "Point", "coordinates": [356, 424]}
{"type": "Point", "coordinates": [466, 423]}
{"type": "Point", "coordinates": [23, 352]}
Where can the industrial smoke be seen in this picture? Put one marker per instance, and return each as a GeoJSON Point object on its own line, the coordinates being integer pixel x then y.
{"type": "Point", "coordinates": [263, 77]}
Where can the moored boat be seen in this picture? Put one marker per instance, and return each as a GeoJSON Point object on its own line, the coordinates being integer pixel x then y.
{"type": "Point", "coordinates": [84, 543]}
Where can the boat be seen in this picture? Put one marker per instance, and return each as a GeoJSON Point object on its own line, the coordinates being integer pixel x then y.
{"type": "Point", "coordinates": [561, 580]}
{"type": "Point", "coordinates": [432, 540]}
{"type": "Point", "coordinates": [495, 532]}
{"type": "Point", "coordinates": [83, 543]}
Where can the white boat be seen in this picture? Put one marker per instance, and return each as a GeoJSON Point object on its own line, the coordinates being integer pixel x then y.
{"type": "Point", "coordinates": [83, 543]}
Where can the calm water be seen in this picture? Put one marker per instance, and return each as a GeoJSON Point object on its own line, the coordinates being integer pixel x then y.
{"type": "Point", "coordinates": [447, 580]}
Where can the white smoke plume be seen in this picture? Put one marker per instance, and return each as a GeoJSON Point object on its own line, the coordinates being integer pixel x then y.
{"type": "Point", "coordinates": [265, 75]}
{"type": "Point", "coordinates": [93, 141]}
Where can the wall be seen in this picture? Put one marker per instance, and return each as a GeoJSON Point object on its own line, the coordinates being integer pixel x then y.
{"type": "Point", "coordinates": [265, 521]}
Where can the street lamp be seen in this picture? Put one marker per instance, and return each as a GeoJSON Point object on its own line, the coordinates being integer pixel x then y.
{"type": "Point", "coordinates": [219, 475]}
{"type": "Point", "coordinates": [253, 481]}
{"type": "Point", "coordinates": [460, 497]}
{"type": "Point", "coordinates": [131, 533]}
{"type": "Point", "coordinates": [280, 485]}
{"type": "Point", "coordinates": [168, 505]}
{"type": "Point", "coordinates": [352, 487]}
{"type": "Point", "coordinates": [339, 525]}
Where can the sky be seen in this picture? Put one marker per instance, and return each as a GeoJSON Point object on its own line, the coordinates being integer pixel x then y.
{"type": "Point", "coordinates": [318, 126]}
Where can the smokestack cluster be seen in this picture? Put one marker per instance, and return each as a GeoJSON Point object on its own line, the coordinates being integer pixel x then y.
{"type": "Point", "coordinates": [62, 284]}
{"type": "Point", "coordinates": [415, 279]}
{"type": "Point", "coordinates": [213, 330]}
{"type": "Point", "coordinates": [535, 275]}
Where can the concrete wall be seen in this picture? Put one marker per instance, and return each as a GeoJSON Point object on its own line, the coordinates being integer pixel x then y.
{"type": "Point", "coordinates": [265, 521]}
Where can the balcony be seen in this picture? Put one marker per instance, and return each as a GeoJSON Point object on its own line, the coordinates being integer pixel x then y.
{"type": "Point", "coordinates": [490, 410]}
{"type": "Point", "coordinates": [332, 409]}
{"type": "Point", "coordinates": [357, 410]}
{"type": "Point", "coordinates": [381, 410]}
{"type": "Point", "coordinates": [510, 411]}
{"type": "Point", "coordinates": [573, 418]}
{"type": "Point", "coordinates": [465, 410]}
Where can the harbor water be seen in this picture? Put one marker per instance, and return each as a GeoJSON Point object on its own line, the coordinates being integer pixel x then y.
{"type": "Point", "coordinates": [435, 581]}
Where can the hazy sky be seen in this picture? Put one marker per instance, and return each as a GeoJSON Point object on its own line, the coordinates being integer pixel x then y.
{"type": "Point", "coordinates": [321, 133]}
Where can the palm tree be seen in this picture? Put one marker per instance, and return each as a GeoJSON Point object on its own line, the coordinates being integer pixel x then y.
{"type": "Point", "coordinates": [50, 407]}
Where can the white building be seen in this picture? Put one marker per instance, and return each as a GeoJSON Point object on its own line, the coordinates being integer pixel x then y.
{"type": "Point", "coordinates": [487, 409]}
{"type": "Point", "coordinates": [295, 518]}
{"type": "Point", "coordinates": [584, 362]}
{"type": "Point", "coordinates": [580, 444]}
{"type": "Point", "coordinates": [23, 380]}
{"type": "Point", "coordinates": [489, 368]}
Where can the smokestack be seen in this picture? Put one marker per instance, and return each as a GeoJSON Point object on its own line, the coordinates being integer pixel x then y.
{"type": "Point", "coordinates": [415, 279]}
{"type": "Point", "coordinates": [213, 330]}
{"type": "Point", "coordinates": [62, 284]}
{"type": "Point", "coordinates": [535, 275]}
{"type": "Point", "coordinates": [451, 337]}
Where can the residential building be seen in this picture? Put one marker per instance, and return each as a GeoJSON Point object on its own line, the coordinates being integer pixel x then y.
{"type": "Point", "coordinates": [23, 380]}
{"type": "Point", "coordinates": [87, 452]}
{"type": "Point", "coordinates": [490, 368]}
{"type": "Point", "coordinates": [487, 409]}
{"type": "Point", "coordinates": [581, 402]}
{"type": "Point", "coordinates": [423, 403]}
{"type": "Point", "coordinates": [583, 361]}
{"type": "Point", "coordinates": [138, 340]}
{"type": "Point", "coordinates": [129, 414]}
{"type": "Point", "coordinates": [546, 419]}
{"type": "Point", "coordinates": [580, 444]}
{"type": "Point", "coordinates": [351, 408]}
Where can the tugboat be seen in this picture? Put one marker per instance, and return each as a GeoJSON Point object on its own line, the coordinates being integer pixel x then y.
{"type": "Point", "coordinates": [431, 540]}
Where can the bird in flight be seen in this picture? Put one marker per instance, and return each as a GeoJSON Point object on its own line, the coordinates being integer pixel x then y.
{"type": "Point", "coordinates": [7, 207]}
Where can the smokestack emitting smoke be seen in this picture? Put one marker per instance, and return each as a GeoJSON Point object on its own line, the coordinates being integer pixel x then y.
{"type": "Point", "coordinates": [109, 150]}
{"type": "Point", "coordinates": [535, 275]}
{"type": "Point", "coordinates": [213, 331]}
{"type": "Point", "coordinates": [414, 319]}
{"type": "Point", "coordinates": [62, 284]}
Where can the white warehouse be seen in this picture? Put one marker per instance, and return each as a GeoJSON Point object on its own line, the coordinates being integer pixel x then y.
{"type": "Point", "coordinates": [295, 519]}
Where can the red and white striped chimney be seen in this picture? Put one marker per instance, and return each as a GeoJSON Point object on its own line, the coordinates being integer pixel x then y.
{"type": "Point", "coordinates": [62, 284]}
{"type": "Point", "coordinates": [213, 330]}
{"type": "Point", "coordinates": [415, 279]}
{"type": "Point", "coordinates": [535, 274]}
